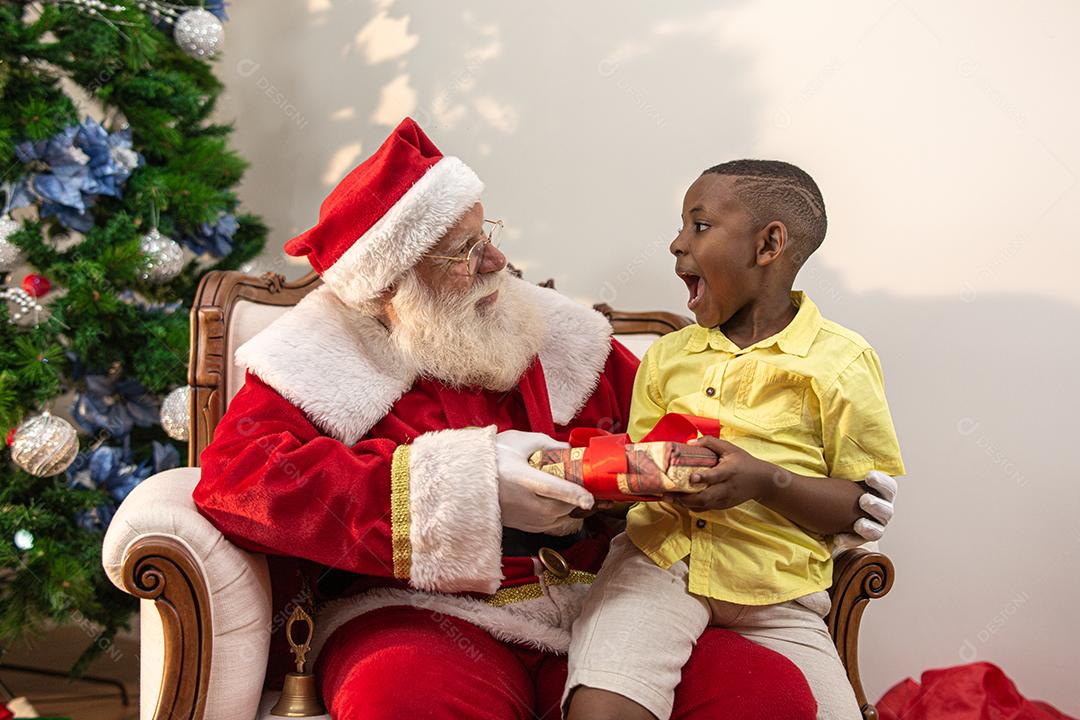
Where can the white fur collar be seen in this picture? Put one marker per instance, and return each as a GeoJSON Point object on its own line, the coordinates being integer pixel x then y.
{"type": "Point", "coordinates": [338, 366]}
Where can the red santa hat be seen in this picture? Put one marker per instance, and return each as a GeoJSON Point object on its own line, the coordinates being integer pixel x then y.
{"type": "Point", "coordinates": [391, 209]}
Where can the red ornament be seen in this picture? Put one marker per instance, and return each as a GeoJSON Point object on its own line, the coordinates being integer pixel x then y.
{"type": "Point", "coordinates": [36, 285]}
{"type": "Point", "coordinates": [11, 435]}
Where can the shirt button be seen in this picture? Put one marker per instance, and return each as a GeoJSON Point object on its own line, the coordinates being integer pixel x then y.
{"type": "Point", "coordinates": [700, 523]}
{"type": "Point", "coordinates": [710, 391]}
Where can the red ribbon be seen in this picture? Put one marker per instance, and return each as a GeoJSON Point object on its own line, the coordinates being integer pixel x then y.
{"type": "Point", "coordinates": [680, 427]}
{"type": "Point", "coordinates": [605, 454]}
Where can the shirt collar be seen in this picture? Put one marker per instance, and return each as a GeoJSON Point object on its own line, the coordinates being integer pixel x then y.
{"type": "Point", "coordinates": [794, 339]}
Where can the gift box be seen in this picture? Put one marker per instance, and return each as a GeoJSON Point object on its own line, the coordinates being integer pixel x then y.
{"type": "Point", "coordinates": [642, 471]}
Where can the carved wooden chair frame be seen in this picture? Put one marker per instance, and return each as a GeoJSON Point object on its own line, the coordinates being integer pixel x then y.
{"type": "Point", "coordinates": [166, 573]}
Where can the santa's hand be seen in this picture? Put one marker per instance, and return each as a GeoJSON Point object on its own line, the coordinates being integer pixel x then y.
{"type": "Point", "coordinates": [532, 500]}
{"type": "Point", "coordinates": [878, 505]}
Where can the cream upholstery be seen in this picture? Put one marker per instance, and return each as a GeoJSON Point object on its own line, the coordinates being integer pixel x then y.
{"type": "Point", "coordinates": [637, 344]}
{"type": "Point", "coordinates": [247, 319]}
{"type": "Point", "coordinates": [238, 582]}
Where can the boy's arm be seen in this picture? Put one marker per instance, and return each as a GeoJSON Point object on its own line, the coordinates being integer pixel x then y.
{"type": "Point", "coordinates": [826, 506]}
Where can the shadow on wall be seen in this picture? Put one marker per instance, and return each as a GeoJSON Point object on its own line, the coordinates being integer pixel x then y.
{"type": "Point", "coordinates": [983, 390]}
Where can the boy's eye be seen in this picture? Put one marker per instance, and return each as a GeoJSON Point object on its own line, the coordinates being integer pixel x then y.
{"type": "Point", "coordinates": [701, 227]}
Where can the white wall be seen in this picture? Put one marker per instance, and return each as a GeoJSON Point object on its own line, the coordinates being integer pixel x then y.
{"type": "Point", "coordinates": [943, 138]}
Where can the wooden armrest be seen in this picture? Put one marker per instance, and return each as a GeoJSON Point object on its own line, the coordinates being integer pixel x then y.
{"type": "Point", "coordinates": [859, 576]}
{"type": "Point", "coordinates": [161, 569]}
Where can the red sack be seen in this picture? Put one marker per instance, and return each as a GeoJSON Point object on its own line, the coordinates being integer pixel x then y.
{"type": "Point", "coordinates": [979, 691]}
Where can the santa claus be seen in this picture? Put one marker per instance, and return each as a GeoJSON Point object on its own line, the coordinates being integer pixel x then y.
{"type": "Point", "coordinates": [380, 442]}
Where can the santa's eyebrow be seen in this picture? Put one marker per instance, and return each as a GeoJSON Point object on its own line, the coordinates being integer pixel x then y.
{"type": "Point", "coordinates": [462, 241]}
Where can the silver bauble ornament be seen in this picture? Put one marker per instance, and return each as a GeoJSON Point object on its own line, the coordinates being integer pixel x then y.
{"type": "Point", "coordinates": [44, 445]}
{"type": "Point", "coordinates": [24, 539]}
{"type": "Point", "coordinates": [23, 308]}
{"type": "Point", "coordinates": [174, 413]}
{"type": "Point", "coordinates": [199, 33]}
{"type": "Point", "coordinates": [164, 259]}
{"type": "Point", "coordinates": [10, 255]}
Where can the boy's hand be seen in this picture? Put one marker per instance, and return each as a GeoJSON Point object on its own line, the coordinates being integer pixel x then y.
{"type": "Point", "coordinates": [737, 477]}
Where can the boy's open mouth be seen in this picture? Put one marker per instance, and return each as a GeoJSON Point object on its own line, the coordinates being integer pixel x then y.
{"type": "Point", "coordinates": [696, 285]}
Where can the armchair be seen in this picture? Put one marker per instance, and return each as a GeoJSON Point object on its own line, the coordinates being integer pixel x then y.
{"type": "Point", "coordinates": [204, 650]}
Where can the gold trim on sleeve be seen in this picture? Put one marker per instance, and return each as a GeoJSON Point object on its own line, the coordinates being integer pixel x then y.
{"type": "Point", "coordinates": [400, 520]}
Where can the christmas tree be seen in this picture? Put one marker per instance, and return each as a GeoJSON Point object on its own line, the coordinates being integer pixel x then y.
{"type": "Point", "coordinates": [118, 196]}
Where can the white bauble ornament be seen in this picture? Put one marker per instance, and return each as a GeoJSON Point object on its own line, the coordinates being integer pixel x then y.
{"type": "Point", "coordinates": [10, 255]}
{"type": "Point", "coordinates": [174, 413]}
{"type": "Point", "coordinates": [24, 539]}
{"type": "Point", "coordinates": [44, 445]}
{"type": "Point", "coordinates": [199, 33]}
{"type": "Point", "coordinates": [164, 258]}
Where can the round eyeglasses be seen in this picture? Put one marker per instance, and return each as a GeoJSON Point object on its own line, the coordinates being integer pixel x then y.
{"type": "Point", "coordinates": [473, 257]}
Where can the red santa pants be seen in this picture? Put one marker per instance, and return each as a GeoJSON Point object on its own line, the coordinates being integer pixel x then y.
{"type": "Point", "coordinates": [404, 662]}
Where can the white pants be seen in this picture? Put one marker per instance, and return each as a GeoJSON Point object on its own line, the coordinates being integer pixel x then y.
{"type": "Point", "coordinates": [639, 625]}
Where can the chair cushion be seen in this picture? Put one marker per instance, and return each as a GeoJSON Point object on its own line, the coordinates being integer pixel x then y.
{"type": "Point", "coordinates": [247, 320]}
{"type": "Point", "coordinates": [637, 344]}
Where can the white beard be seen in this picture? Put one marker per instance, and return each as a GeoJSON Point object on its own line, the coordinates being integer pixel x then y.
{"type": "Point", "coordinates": [453, 341]}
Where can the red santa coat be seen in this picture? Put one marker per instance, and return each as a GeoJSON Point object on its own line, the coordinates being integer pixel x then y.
{"type": "Point", "coordinates": [334, 451]}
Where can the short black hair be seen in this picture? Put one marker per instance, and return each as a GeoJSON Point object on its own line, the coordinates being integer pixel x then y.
{"type": "Point", "coordinates": [774, 190]}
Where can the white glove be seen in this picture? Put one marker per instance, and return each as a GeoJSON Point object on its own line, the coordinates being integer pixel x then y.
{"type": "Point", "coordinates": [532, 500]}
{"type": "Point", "coordinates": [878, 505]}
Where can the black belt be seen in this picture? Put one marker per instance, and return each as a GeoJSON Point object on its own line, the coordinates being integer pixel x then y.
{"type": "Point", "coordinates": [518, 543]}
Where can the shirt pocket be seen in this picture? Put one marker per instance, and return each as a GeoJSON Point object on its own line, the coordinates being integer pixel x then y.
{"type": "Point", "coordinates": [770, 397]}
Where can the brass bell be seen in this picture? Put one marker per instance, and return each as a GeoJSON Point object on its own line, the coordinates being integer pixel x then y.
{"type": "Point", "coordinates": [299, 696]}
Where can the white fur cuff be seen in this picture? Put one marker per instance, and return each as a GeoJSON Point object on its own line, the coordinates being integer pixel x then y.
{"type": "Point", "coordinates": [456, 528]}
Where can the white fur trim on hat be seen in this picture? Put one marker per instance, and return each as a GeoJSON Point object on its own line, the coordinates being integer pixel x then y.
{"type": "Point", "coordinates": [400, 237]}
{"type": "Point", "coordinates": [456, 527]}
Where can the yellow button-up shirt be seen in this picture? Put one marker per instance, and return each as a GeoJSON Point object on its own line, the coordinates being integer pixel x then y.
{"type": "Point", "coordinates": [810, 399]}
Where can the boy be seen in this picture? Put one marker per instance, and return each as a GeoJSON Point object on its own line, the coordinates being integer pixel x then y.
{"type": "Point", "coordinates": [803, 413]}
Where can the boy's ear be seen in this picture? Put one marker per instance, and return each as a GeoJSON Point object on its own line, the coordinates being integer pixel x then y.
{"type": "Point", "coordinates": [771, 242]}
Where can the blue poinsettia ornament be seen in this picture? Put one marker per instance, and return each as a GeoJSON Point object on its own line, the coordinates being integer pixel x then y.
{"type": "Point", "coordinates": [111, 160]}
{"type": "Point", "coordinates": [67, 172]}
{"type": "Point", "coordinates": [215, 238]}
{"type": "Point", "coordinates": [114, 405]}
{"type": "Point", "coordinates": [114, 470]}
{"type": "Point", "coordinates": [165, 308]}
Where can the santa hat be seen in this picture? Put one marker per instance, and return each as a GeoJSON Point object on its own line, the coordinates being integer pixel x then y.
{"type": "Point", "coordinates": [391, 209]}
